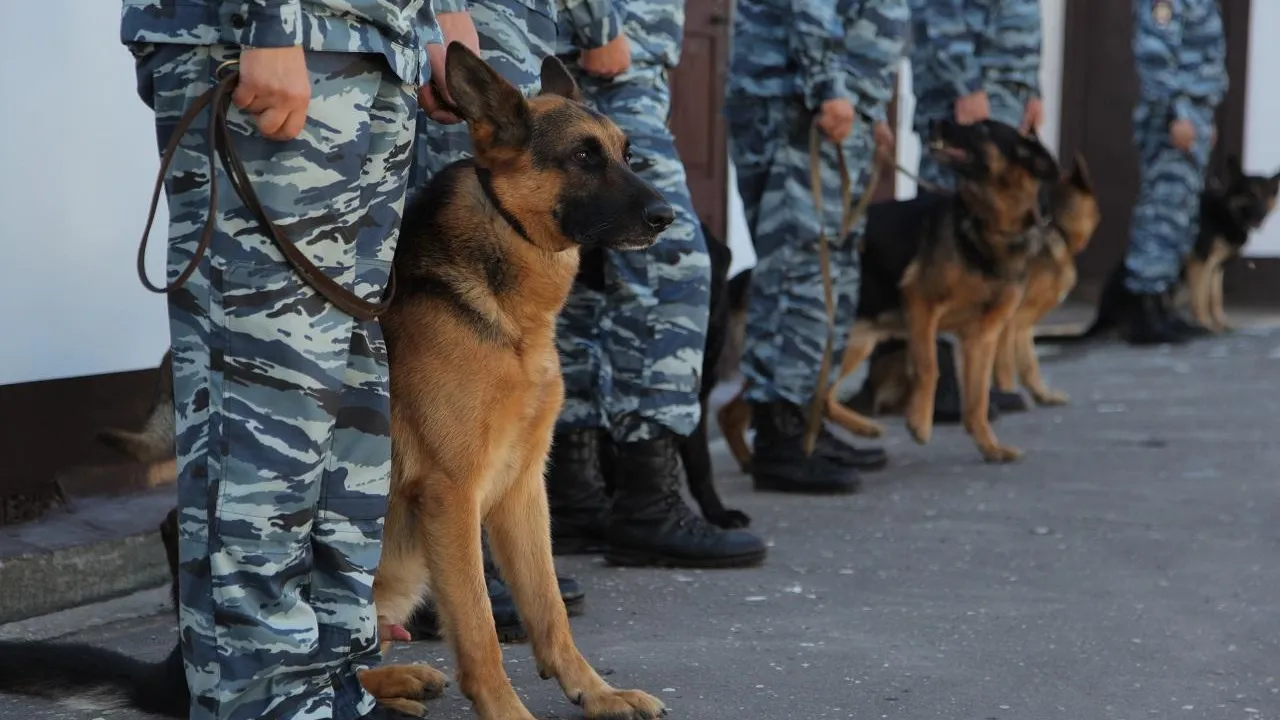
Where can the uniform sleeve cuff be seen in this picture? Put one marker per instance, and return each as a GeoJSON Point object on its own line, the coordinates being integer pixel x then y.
{"type": "Point", "coordinates": [263, 24]}
{"type": "Point", "coordinates": [1183, 108]}
{"type": "Point", "coordinates": [450, 6]}
{"type": "Point", "coordinates": [595, 32]}
{"type": "Point", "coordinates": [826, 87]}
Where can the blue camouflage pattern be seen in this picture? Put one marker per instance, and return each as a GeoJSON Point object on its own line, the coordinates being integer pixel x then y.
{"type": "Point", "coordinates": [399, 30]}
{"type": "Point", "coordinates": [515, 37]}
{"type": "Point", "coordinates": [1179, 47]}
{"type": "Point", "coordinates": [769, 116]}
{"type": "Point", "coordinates": [282, 409]}
{"type": "Point", "coordinates": [631, 353]}
{"type": "Point", "coordinates": [655, 28]}
{"type": "Point", "coordinates": [961, 46]}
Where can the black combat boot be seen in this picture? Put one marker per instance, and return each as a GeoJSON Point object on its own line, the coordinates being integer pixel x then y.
{"type": "Point", "coordinates": [576, 494]}
{"type": "Point", "coordinates": [650, 524]}
{"type": "Point", "coordinates": [425, 623]}
{"type": "Point", "coordinates": [778, 461]}
{"type": "Point", "coordinates": [1148, 323]}
{"type": "Point", "coordinates": [861, 459]}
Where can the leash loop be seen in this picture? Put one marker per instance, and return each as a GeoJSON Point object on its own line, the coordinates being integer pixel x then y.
{"type": "Point", "coordinates": [219, 140]}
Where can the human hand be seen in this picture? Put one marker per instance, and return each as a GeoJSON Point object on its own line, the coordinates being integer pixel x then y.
{"type": "Point", "coordinates": [434, 98]}
{"type": "Point", "coordinates": [835, 119]}
{"type": "Point", "coordinates": [275, 89]}
{"type": "Point", "coordinates": [609, 60]}
{"type": "Point", "coordinates": [1182, 134]}
{"type": "Point", "coordinates": [1033, 115]}
{"type": "Point", "coordinates": [972, 108]}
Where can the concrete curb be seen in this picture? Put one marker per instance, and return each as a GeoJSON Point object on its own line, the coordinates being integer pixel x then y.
{"type": "Point", "coordinates": [97, 550]}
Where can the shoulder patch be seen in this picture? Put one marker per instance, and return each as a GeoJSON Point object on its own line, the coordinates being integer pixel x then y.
{"type": "Point", "coordinates": [1162, 12]}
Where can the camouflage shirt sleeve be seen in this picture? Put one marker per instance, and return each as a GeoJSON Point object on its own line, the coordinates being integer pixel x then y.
{"type": "Point", "coordinates": [814, 43]}
{"type": "Point", "coordinates": [450, 6]}
{"type": "Point", "coordinates": [875, 35]}
{"type": "Point", "coordinates": [592, 23]}
{"type": "Point", "coordinates": [946, 31]}
{"type": "Point", "coordinates": [1202, 58]}
{"type": "Point", "coordinates": [1158, 30]}
{"type": "Point", "coordinates": [266, 23]}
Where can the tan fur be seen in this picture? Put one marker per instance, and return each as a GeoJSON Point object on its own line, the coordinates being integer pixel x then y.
{"type": "Point", "coordinates": [1204, 285]}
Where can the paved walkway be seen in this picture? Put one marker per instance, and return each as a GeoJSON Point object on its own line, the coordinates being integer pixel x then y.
{"type": "Point", "coordinates": [1128, 567]}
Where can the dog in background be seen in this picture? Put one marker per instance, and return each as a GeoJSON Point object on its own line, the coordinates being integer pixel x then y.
{"type": "Point", "coordinates": [1230, 212]}
{"type": "Point", "coordinates": [486, 258]}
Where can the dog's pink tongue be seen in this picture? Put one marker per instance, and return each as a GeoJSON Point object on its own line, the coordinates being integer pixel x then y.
{"type": "Point", "coordinates": [394, 633]}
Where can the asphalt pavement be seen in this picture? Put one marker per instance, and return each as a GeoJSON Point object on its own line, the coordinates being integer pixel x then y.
{"type": "Point", "coordinates": [1128, 567]}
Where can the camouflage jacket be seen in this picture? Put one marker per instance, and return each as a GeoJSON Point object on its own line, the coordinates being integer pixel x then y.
{"type": "Point", "coordinates": [542, 7]}
{"type": "Point", "coordinates": [964, 44]}
{"type": "Point", "coordinates": [818, 50]}
{"type": "Point", "coordinates": [397, 29]}
{"type": "Point", "coordinates": [655, 28]}
{"type": "Point", "coordinates": [1180, 49]}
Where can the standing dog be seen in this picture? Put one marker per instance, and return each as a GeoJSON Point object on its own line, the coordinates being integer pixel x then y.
{"type": "Point", "coordinates": [485, 261]}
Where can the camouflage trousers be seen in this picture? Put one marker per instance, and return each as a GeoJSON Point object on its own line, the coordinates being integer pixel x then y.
{"type": "Point", "coordinates": [1008, 105]}
{"type": "Point", "coordinates": [1165, 216]}
{"type": "Point", "coordinates": [515, 36]}
{"type": "Point", "coordinates": [632, 352]}
{"type": "Point", "coordinates": [283, 422]}
{"type": "Point", "coordinates": [786, 313]}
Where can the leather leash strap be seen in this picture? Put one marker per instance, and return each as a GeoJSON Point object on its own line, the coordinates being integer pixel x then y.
{"type": "Point", "coordinates": [849, 217]}
{"type": "Point", "coordinates": [218, 99]}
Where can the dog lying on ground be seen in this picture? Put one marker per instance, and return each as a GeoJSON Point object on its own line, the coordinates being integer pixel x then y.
{"type": "Point", "coordinates": [958, 265]}
{"type": "Point", "coordinates": [486, 258]}
{"type": "Point", "coordinates": [1230, 212]}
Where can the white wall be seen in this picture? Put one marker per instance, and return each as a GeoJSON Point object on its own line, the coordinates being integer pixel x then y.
{"type": "Point", "coordinates": [1262, 111]}
{"type": "Point", "coordinates": [77, 161]}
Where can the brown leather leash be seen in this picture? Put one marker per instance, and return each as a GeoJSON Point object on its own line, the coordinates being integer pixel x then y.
{"type": "Point", "coordinates": [218, 99]}
{"type": "Point", "coordinates": [849, 217]}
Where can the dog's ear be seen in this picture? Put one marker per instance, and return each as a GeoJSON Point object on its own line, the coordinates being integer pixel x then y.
{"type": "Point", "coordinates": [556, 80]}
{"type": "Point", "coordinates": [1035, 157]}
{"type": "Point", "coordinates": [1235, 170]}
{"type": "Point", "coordinates": [1080, 174]}
{"type": "Point", "coordinates": [494, 109]}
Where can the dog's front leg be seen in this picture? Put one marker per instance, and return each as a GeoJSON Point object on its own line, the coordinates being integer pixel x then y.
{"type": "Point", "coordinates": [977, 352]}
{"type": "Point", "coordinates": [1006, 360]}
{"type": "Point", "coordinates": [1199, 278]}
{"type": "Point", "coordinates": [451, 526]}
{"type": "Point", "coordinates": [1216, 312]}
{"type": "Point", "coordinates": [922, 334]}
{"type": "Point", "coordinates": [520, 536]}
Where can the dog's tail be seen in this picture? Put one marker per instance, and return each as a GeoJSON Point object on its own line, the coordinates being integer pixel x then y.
{"type": "Point", "coordinates": [94, 679]}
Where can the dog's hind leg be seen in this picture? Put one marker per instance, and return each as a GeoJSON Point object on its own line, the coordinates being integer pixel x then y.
{"type": "Point", "coordinates": [519, 534]}
{"type": "Point", "coordinates": [700, 474]}
{"type": "Point", "coordinates": [734, 418]}
{"type": "Point", "coordinates": [1006, 361]}
{"type": "Point", "coordinates": [863, 338]}
{"type": "Point", "coordinates": [1029, 369]}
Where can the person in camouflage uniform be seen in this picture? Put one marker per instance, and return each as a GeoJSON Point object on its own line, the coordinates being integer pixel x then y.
{"type": "Point", "coordinates": [282, 406]}
{"type": "Point", "coordinates": [632, 334]}
{"type": "Point", "coordinates": [832, 62]}
{"type": "Point", "coordinates": [1180, 50]}
{"type": "Point", "coordinates": [972, 60]}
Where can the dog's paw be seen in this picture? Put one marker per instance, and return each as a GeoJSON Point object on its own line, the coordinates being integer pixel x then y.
{"type": "Point", "coordinates": [731, 520]}
{"type": "Point", "coordinates": [1052, 397]}
{"type": "Point", "coordinates": [1001, 454]}
{"type": "Point", "coordinates": [404, 682]}
{"type": "Point", "coordinates": [868, 430]}
{"type": "Point", "coordinates": [621, 705]}
{"type": "Point", "coordinates": [920, 431]}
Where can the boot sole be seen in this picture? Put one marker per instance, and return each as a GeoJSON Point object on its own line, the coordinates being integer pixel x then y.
{"type": "Point", "coordinates": [634, 558]}
{"type": "Point", "coordinates": [577, 546]}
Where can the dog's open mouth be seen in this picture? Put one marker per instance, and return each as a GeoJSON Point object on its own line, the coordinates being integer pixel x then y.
{"type": "Point", "coordinates": [948, 153]}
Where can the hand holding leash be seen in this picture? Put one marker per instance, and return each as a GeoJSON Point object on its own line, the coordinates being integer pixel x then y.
{"type": "Point", "coordinates": [275, 89]}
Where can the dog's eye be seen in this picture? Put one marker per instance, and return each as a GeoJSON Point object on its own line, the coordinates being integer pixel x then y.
{"type": "Point", "coordinates": [582, 156]}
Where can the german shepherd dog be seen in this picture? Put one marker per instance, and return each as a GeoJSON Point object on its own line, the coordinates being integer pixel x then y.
{"type": "Point", "coordinates": [486, 258]}
{"type": "Point", "coordinates": [1230, 212]}
{"type": "Point", "coordinates": [1072, 214]}
{"type": "Point", "coordinates": [960, 266]}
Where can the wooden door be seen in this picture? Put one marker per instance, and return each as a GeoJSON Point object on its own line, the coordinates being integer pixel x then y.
{"type": "Point", "coordinates": [697, 93]}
